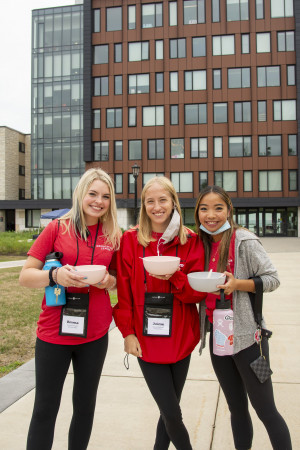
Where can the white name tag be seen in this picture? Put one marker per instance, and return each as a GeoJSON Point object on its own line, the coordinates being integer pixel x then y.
{"type": "Point", "coordinates": [158, 326]}
{"type": "Point", "coordinates": [72, 325]}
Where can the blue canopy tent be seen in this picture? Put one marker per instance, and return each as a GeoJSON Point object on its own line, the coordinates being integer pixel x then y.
{"type": "Point", "coordinates": [54, 214]}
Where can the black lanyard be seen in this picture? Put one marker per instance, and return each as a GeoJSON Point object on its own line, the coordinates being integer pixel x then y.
{"type": "Point", "coordinates": [94, 246]}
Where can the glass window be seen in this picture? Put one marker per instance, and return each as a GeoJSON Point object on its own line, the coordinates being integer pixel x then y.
{"type": "Point", "coordinates": [293, 180]}
{"type": "Point", "coordinates": [131, 184]}
{"type": "Point", "coordinates": [173, 81]}
{"type": "Point", "coordinates": [198, 46]}
{"type": "Point", "coordinates": [269, 145]}
{"type": "Point", "coordinates": [119, 183]}
{"type": "Point", "coordinates": [198, 147]}
{"type": "Point", "coordinates": [220, 112]}
{"type": "Point", "coordinates": [117, 53]}
{"type": "Point", "coordinates": [285, 41]}
{"type": "Point", "coordinates": [135, 149]}
{"type": "Point", "coordinates": [195, 113]}
{"type": "Point", "coordinates": [138, 84]}
{"type": "Point", "coordinates": [152, 15]}
{"type": "Point", "coordinates": [96, 118]}
{"type": "Point", "coordinates": [226, 180]}
{"type": "Point", "coordinates": [148, 176]}
{"type": "Point", "coordinates": [96, 21]}
{"type": "Point", "coordinates": [193, 11]}
{"type": "Point", "coordinates": [245, 40]}
{"type": "Point", "coordinates": [237, 10]}
{"type": "Point", "coordinates": [262, 111]}
{"type": "Point", "coordinates": [218, 147]}
{"type": "Point", "coordinates": [101, 86]}
{"type": "Point", "coordinates": [118, 84]}
{"type": "Point", "coordinates": [291, 75]}
{"type": "Point", "coordinates": [132, 116]}
{"type": "Point", "coordinates": [159, 49]}
{"type": "Point", "coordinates": [114, 118]}
{"type": "Point", "coordinates": [118, 150]}
{"type": "Point", "coordinates": [284, 109]}
{"type": "Point", "coordinates": [100, 151]}
{"type": "Point", "coordinates": [223, 45]}
{"type": "Point", "coordinates": [177, 48]}
{"type": "Point", "coordinates": [259, 9]}
{"type": "Point", "coordinates": [159, 82]}
{"type": "Point", "coordinates": [239, 146]}
{"type": "Point", "coordinates": [268, 76]}
{"type": "Point", "coordinates": [174, 115]}
{"type": "Point", "coordinates": [156, 149]}
{"type": "Point", "coordinates": [195, 80]}
{"type": "Point", "coordinates": [292, 143]}
{"type": "Point", "coordinates": [22, 170]}
{"type": "Point", "coordinates": [203, 180]}
{"type": "Point", "coordinates": [247, 175]}
{"type": "Point", "coordinates": [153, 116]}
{"type": "Point", "coordinates": [263, 42]}
{"type": "Point", "coordinates": [282, 8]}
{"type": "Point", "coordinates": [172, 14]}
{"type": "Point", "coordinates": [242, 111]}
{"type": "Point", "coordinates": [182, 181]}
{"type": "Point", "coordinates": [177, 148]}
{"type": "Point", "coordinates": [114, 18]}
{"type": "Point", "coordinates": [100, 54]}
{"type": "Point", "coordinates": [33, 217]}
{"type": "Point", "coordinates": [21, 147]}
{"type": "Point", "coordinates": [131, 17]}
{"type": "Point", "coordinates": [215, 9]}
{"type": "Point", "coordinates": [269, 180]}
{"type": "Point", "coordinates": [138, 51]}
{"type": "Point", "coordinates": [239, 78]}
{"type": "Point", "coordinates": [217, 78]}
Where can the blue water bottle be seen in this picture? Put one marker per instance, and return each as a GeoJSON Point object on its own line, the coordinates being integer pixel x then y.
{"type": "Point", "coordinates": [55, 295]}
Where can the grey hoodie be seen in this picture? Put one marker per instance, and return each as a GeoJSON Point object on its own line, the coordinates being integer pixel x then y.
{"type": "Point", "coordinates": [251, 260]}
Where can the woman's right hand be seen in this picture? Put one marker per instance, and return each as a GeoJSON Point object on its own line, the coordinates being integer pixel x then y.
{"type": "Point", "coordinates": [67, 277]}
{"type": "Point", "coordinates": [132, 345]}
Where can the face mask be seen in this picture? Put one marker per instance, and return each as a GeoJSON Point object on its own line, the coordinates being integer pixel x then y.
{"type": "Point", "coordinates": [171, 231]}
{"type": "Point", "coordinates": [223, 228]}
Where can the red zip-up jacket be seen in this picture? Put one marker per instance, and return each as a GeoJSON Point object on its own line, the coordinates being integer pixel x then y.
{"type": "Point", "coordinates": [128, 312]}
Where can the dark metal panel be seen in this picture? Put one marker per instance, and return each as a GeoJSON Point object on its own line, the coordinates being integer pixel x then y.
{"type": "Point", "coordinates": [87, 81]}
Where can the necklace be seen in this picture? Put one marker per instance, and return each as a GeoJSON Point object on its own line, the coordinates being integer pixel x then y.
{"type": "Point", "coordinates": [213, 258]}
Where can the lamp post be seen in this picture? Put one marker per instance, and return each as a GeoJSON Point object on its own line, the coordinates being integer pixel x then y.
{"type": "Point", "coordinates": [135, 173]}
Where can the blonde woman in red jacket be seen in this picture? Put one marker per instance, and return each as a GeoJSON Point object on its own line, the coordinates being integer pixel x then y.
{"type": "Point", "coordinates": [163, 355]}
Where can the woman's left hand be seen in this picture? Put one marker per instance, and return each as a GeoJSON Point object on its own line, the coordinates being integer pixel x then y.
{"type": "Point", "coordinates": [230, 284]}
{"type": "Point", "coordinates": [108, 282]}
{"type": "Point", "coordinates": [161, 277]}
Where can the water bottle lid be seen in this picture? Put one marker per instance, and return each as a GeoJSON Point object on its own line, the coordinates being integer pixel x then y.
{"type": "Point", "coordinates": [222, 303]}
{"type": "Point", "coordinates": [54, 256]}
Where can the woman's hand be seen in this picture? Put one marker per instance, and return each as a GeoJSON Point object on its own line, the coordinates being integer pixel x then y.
{"type": "Point", "coordinates": [66, 276]}
{"type": "Point", "coordinates": [235, 284]}
{"type": "Point", "coordinates": [132, 345]}
{"type": "Point", "coordinates": [108, 282]}
{"type": "Point", "coordinates": [161, 277]}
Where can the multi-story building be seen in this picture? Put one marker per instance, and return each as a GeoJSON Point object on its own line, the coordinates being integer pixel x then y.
{"type": "Point", "coordinates": [202, 91]}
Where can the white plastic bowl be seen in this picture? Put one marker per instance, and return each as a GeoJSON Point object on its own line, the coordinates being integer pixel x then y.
{"type": "Point", "coordinates": [161, 265]}
{"type": "Point", "coordinates": [93, 273]}
{"type": "Point", "coordinates": [200, 282]}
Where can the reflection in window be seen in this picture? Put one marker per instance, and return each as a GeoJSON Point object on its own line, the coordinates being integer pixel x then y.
{"type": "Point", "coordinates": [218, 147]}
{"type": "Point", "coordinates": [268, 76]}
{"type": "Point", "coordinates": [198, 46]}
{"type": "Point", "coordinates": [293, 180]}
{"type": "Point", "coordinates": [174, 120]}
{"type": "Point", "coordinates": [118, 84]}
{"type": "Point", "coordinates": [100, 54]}
{"type": "Point", "coordinates": [269, 145]}
{"type": "Point", "coordinates": [177, 148]}
{"type": "Point", "coordinates": [152, 15]}
{"type": "Point", "coordinates": [159, 49]}
{"type": "Point", "coordinates": [172, 14]}
{"type": "Point", "coordinates": [262, 111]}
{"type": "Point", "coordinates": [114, 118]}
{"type": "Point", "coordinates": [119, 183]}
{"type": "Point", "coordinates": [217, 78]}
{"type": "Point", "coordinates": [282, 8]}
{"type": "Point", "coordinates": [292, 144]}
{"type": "Point", "coordinates": [226, 180]}
{"type": "Point", "coordinates": [118, 150]}
{"type": "Point", "coordinates": [263, 42]}
{"type": "Point", "coordinates": [173, 81]}
{"type": "Point", "coordinates": [215, 10]}
{"type": "Point", "coordinates": [117, 53]}
{"type": "Point", "coordinates": [159, 82]}
{"type": "Point", "coordinates": [138, 84]}
{"type": "Point", "coordinates": [131, 17]}
{"type": "Point", "coordinates": [245, 40]}
{"type": "Point", "coordinates": [259, 9]}
{"type": "Point", "coordinates": [100, 151]}
{"type": "Point", "coordinates": [247, 175]}
{"type": "Point", "coordinates": [285, 41]}
{"type": "Point", "coordinates": [223, 45]}
{"type": "Point", "coordinates": [195, 113]}
{"type": "Point", "coordinates": [203, 180]}
{"type": "Point", "coordinates": [153, 116]}
{"type": "Point", "coordinates": [291, 75]}
{"type": "Point", "coordinates": [193, 11]}
{"type": "Point", "coordinates": [96, 118]}
{"type": "Point", "coordinates": [149, 175]}
{"type": "Point", "coordinates": [138, 51]}
{"type": "Point", "coordinates": [242, 111]}
{"type": "Point", "coordinates": [182, 181]}
{"type": "Point", "coordinates": [220, 112]}
{"type": "Point", "coordinates": [114, 18]}
{"type": "Point", "coordinates": [239, 146]}
{"type": "Point", "coordinates": [101, 86]}
{"type": "Point", "coordinates": [237, 10]}
{"type": "Point", "coordinates": [195, 80]}
{"type": "Point", "coordinates": [156, 149]}
{"type": "Point", "coordinates": [177, 48]}
{"type": "Point", "coordinates": [239, 78]}
{"type": "Point", "coordinates": [132, 116]}
{"type": "Point", "coordinates": [135, 149]}
{"type": "Point", "coordinates": [284, 109]}
{"type": "Point", "coordinates": [198, 147]}
{"type": "Point", "coordinates": [269, 180]}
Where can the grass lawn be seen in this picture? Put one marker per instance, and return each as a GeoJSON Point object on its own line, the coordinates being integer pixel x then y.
{"type": "Point", "coordinates": [19, 312]}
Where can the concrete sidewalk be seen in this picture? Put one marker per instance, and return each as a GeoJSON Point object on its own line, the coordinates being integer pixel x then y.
{"type": "Point", "coordinates": [126, 415]}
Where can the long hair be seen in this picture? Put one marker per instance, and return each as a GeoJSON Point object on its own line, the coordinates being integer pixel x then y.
{"type": "Point", "coordinates": [144, 227]}
{"type": "Point", "coordinates": [76, 216]}
{"type": "Point", "coordinates": [226, 237]}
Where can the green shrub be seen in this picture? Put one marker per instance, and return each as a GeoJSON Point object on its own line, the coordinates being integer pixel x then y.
{"type": "Point", "coordinates": [16, 243]}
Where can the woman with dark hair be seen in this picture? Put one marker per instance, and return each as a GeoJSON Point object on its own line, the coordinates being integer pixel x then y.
{"type": "Point", "coordinates": [87, 234]}
{"type": "Point", "coordinates": [239, 254]}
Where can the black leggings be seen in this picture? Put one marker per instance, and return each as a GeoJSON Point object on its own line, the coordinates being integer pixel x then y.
{"type": "Point", "coordinates": [51, 365]}
{"type": "Point", "coordinates": [166, 382]}
{"type": "Point", "coordinates": [237, 380]}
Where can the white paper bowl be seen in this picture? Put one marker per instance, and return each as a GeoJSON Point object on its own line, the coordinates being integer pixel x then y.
{"type": "Point", "coordinates": [161, 265]}
{"type": "Point", "coordinates": [93, 273]}
{"type": "Point", "coordinates": [200, 282]}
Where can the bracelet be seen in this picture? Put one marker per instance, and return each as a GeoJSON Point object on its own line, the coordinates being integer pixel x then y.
{"type": "Point", "coordinates": [51, 280]}
{"type": "Point", "coordinates": [113, 285]}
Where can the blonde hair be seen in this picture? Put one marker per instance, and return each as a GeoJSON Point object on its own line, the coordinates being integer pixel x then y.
{"type": "Point", "coordinates": [227, 235]}
{"type": "Point", "coordinates": [77, 223]}
{"type": "Point", "coordinates": [144, 227]}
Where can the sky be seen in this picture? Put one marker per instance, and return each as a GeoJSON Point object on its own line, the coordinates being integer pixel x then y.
{"type": "Point", "coordinates": [15, 60]}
